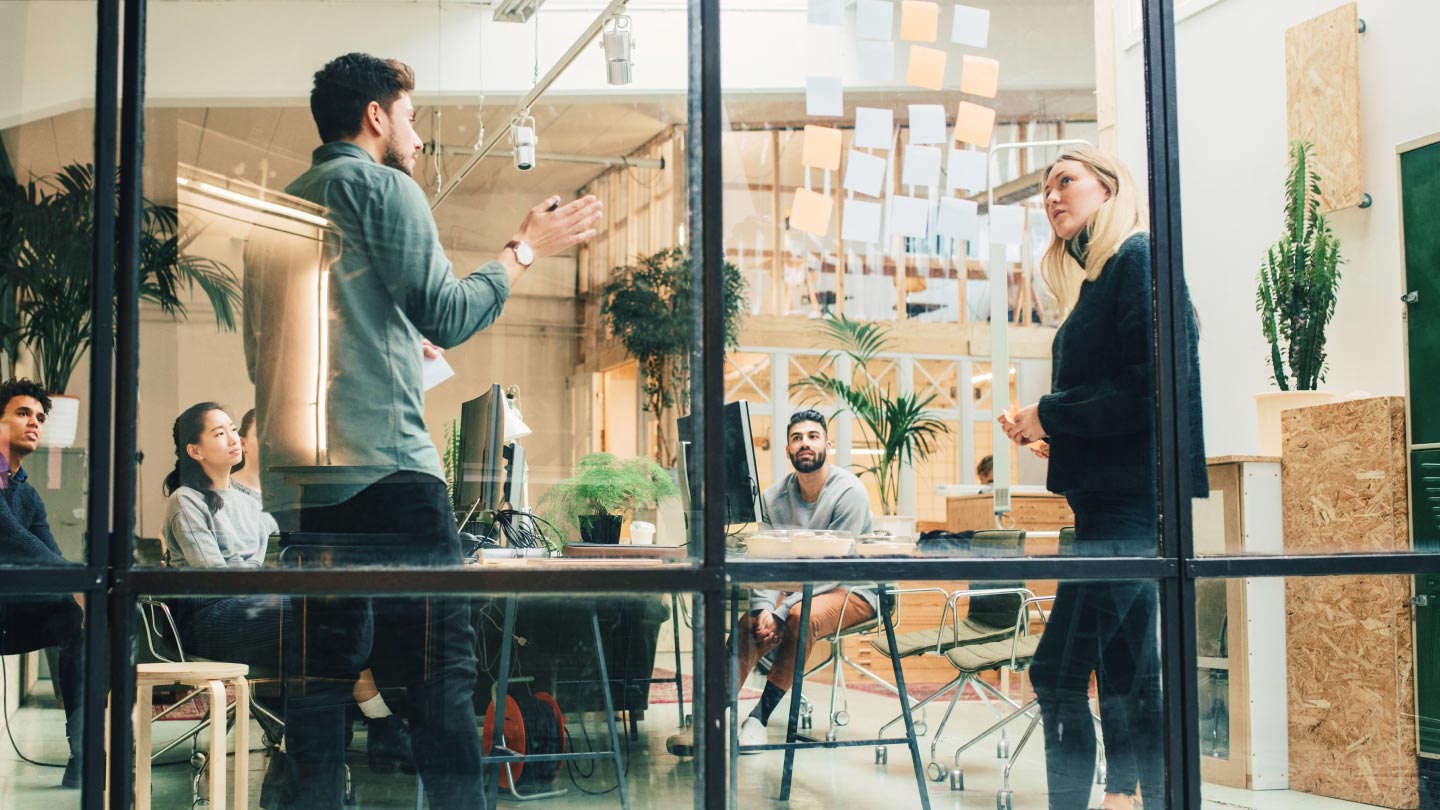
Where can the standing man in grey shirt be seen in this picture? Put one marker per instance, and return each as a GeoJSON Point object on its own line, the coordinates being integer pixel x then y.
{"type": "Point", "coordinates": [816, 496]}
{"type": "Point", "coordinates": [390, 287]}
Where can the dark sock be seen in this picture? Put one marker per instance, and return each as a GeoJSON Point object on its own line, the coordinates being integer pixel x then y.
{"type": "Point", "coordinates": [768, 701]}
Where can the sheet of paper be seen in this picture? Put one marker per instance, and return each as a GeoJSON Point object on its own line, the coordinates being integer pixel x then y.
{"type": "Point", "coordinates": [434, 372]}
{"type": "Point", "coordinates": [979, 75]}
{"type": "Point", "coordinates": [967, 171]}
{"type": "Point", "coordinates": [822, 148]}
{"type": "Point", "coordinates": [810, 212]}
{"type": "Point", "coordinates": [927, 123]}
{"type": "Point", "coordinates": [827, 12]}
{"type": "Point", "coordinates": [971, 26]}
{"type": "Point", "coordinates": [875, 19]}
{"type": "Point", "coordinates": [874, 128]}
{"type": "Point", "coordinates": [974, 124]}
{"type": "Point", "coordinates": [862, 221]}
{"type": "Point", "coordinates": [865, 173]}
{"type": "Point", "coordinates": [922, 166]}
{"type": "Point", "coordinates": [875, 60]}
{"type": "Point", "coordinates": [1007, 224]}
{"type": "Point", "coordinates": [919, 20]}
{"type": "Point", "coordinates": [927, 67]}
{"type": "Point", "coordinates": [909, 216]}
{"type": "Point", "coordinates": [959, 219]}
{"type": "Point", "coordinates": [823, 96]}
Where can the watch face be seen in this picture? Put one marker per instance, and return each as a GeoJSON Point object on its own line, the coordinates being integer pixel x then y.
{"type": "Point", "coordinates": [524, 254]}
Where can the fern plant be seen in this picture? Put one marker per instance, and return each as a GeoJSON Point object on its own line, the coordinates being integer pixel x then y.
{"type": "Point", "coordinates": [899, 425]}
{"type": "Point", "coordinates": [1298, 281]}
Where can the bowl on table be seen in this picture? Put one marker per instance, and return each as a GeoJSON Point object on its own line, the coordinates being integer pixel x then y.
{"type": "Point", "coordinates": [816, 545]}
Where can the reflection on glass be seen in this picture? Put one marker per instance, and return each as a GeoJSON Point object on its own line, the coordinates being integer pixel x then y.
{"type": "Point", "coordinates": [42, 675]}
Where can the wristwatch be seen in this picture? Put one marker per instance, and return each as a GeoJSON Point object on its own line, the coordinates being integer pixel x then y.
{"type": "Point", "coordinates": [523, 253]}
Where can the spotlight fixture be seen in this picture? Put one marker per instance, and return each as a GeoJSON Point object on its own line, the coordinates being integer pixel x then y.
{"type": "Point", "coordinates": [616, 40]}
{"type": "Point", "coordinates": [523, 140]}
{"type": "Point", "coordinates": [516, 11]}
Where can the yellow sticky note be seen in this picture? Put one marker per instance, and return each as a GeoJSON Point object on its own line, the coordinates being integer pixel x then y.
{"type": "Point", "coordinates": [810, 212]}
{"type": "Point", "coordinates": [822, 148]}
{"type": "Point", "coordinates": [979, 76]}
{"type": "Point", "coordinates": [927, 67]}
{"type": "Point", "coordinates": [919, 20]}
{"type": "Point", "coordinates": [974, 124]}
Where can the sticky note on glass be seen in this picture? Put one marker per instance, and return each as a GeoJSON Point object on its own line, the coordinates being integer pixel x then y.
{"type": "Point", "coordinates": [875, 19]}
{"type": "Point", "coordinates": [927, 67]}
{"type": "Point", "coordinates": [810, 212]}
{"type": "Point", "coordinates": [874, 127]}
{"type": "Point", "coordinates": [909, 216]}
{"type": "Point", "coordinates": [927, 123]}
{"type": "Point", "coordinates": [862, 221]}
{"type": "Point", "coordinates": [822, 148]}
{"type": "Point", "coordinates": [971, 26]}
{"type": "Point", "coordinates": [974, 124]}
{"type": "Point", "coordinates": [1007, 224]}
{"type": "Point", "coordinates": [979, 76]}
{"type": "Point", "coordinates": [875, 61]}
{"type": "Point", "coordinates": [966, 171]}
{"type": "Point", "coordinates": [919, 20]}
{"type": "Point", "coordinates": [922, 166]}
{"type": "Point", "coordinates": [827, 12]}
{"type": "Point", "coordinates": [864, 173]}
{"type": "Point", "coordinates": [958, 219]}
{"type": "Point", "coordinates": [823, 96]}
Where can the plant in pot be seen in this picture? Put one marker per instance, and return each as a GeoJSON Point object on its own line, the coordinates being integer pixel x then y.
{"type": "Point", "coordinates": [603, 490]}
{"type": "Point", "coordinates": [48, 226]}
{"type": "Point", "coordinates": [898, 425]}
{"type": "Point", "coordinates": [1295, 297]}
{"type": "Point", "coordinates": [650, 307]}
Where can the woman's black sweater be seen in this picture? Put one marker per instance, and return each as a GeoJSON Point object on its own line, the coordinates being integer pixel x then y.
{"type": "Point", "coordinates": [1100, 418]}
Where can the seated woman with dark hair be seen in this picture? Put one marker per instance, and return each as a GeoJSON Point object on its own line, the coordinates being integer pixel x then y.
{"type": "Point", "coordinates": [214, 524]}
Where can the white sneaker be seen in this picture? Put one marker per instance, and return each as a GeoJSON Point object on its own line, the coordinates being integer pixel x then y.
{"type": "Point", "coordinates": [753, 732]}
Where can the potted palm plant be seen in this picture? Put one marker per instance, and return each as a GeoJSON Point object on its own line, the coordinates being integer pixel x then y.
{"type": "Point", "coordinates": [48, 225]}
{"type": "Point", "coordinates": [1295, 297]}
{"type": "Point", "coordinates": [603, 490]}
{"type": "Point", "coordinates": [898, 425]}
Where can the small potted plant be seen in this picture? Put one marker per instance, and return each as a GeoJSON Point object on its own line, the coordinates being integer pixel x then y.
{"type": "Point", "coordinates": [603, 490]}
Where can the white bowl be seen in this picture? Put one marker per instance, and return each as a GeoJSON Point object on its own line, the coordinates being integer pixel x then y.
{"type": "Point", "coordinates": [778, 546]}
{"type": "Point", "coordinates": [887, 548]}
{"type": "Point", "coordinates": [822, 545]}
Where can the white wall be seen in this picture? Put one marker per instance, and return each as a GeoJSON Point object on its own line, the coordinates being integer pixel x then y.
{"type": "Point", "coordinates": [1233, 161]}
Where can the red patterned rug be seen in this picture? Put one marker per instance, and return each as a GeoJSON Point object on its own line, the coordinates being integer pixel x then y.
{"type": "Point", "coordinates": [665, 692]}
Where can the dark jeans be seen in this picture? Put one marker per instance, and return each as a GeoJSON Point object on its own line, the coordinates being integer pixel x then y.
{"type": "Point", "coordinates": [37, 622]}
{"type": "Point", "coordinates": [243, 629]}
{"type": "Point", "coordinates": [424, 643]}
{"type": "Point", "coordinates": [1112, 630]}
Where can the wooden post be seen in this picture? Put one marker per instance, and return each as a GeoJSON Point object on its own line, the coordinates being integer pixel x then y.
{"type": "Point", "coordinates": [778, 293]}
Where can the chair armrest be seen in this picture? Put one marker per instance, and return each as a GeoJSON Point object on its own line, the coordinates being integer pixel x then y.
{"type": "Point", "coordinates": [152, 604]}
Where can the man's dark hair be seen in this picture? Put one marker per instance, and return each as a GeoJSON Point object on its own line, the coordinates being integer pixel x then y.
{"type": "Point", "coordinates": [986, 466]}
{"type": "Point", "coordinates": [22, 388]}
{"type": "Point", "coordinates": [807, 415]}
{"type": "Point", "coordinates": [347, 85]}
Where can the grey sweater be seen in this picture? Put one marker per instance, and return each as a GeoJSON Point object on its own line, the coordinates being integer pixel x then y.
{"type": "Point", "coordinates": [842, 506]}
{"type": "Point", "coordinates": [236, 536]}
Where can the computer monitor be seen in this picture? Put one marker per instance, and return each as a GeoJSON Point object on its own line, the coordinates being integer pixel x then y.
{"type": "Point", "coordinates": [481, 477]}
{"type": "Point", "coordinates": [743, 503]}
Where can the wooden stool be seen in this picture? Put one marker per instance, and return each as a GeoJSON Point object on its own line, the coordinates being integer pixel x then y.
{"type": "Point", "coordinates": [212, 675]}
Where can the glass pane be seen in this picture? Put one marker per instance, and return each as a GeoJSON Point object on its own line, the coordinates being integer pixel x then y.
{"type": "Point", "coordinates": [47, 231]}
{"type": "Point", "coordinates": [42, 672]}
{"type": "Point", "coordinates": [365, 693]}
{"type": "Point", "coordinates": [553, 427]}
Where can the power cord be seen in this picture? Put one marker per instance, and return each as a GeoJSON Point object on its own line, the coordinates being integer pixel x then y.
{"type": "Point", "coordinates": [5, 701]}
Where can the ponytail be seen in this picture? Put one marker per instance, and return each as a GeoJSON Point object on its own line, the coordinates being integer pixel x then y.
{"type": "Point", "coordinates": [188, 472]}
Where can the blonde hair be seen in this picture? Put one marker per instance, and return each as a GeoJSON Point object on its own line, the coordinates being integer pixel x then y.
{"type": "Point", "coordinates": [1117, 219]}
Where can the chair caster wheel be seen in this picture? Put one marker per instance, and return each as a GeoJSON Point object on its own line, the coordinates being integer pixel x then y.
{"type": "Point", "coordinates": [831, 735]}
{"type": "Point", "coordinates": [935, 771]}
{"type": "Point", "coordinates": [689, 720]}
{"type": "Point", "coordinates": [806, 721]}
{"type": "Point", "coordinates": [1004, 800]}
{"type": "Point", "coordinates": [957, 779]}
{"type": "Point", "coordinates": [882, 755]}
{"type": "Point", "coordinates": [840, 718]}
{"type": "Point", "coordinates": [1002, 749]}
{"type": "Point", "coordinates": [922, 728]}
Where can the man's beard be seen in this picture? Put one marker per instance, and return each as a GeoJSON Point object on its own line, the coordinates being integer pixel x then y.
{"type": "Point", "coordinates": [394, 158]}
{"type": "Point", "coordinates": [810, 465]}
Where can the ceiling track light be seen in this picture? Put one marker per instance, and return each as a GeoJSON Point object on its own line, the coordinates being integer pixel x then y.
{"type": "Point", "coordinates": [516, 11]}
{"type": "Point", "coordinates": [616, 40]}
{"type": "Point", "coordinates": [523, 140]}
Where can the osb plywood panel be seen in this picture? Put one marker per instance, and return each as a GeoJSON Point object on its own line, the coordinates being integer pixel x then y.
{"type": "Point", "coordinates": [1351, 689]}
{"type": "Point", "coordinates": [1322, 82]}
{"type": "Point", "coordinates": [1343, 478]}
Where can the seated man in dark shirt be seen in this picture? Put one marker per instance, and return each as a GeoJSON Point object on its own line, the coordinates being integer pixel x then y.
{"type": "Point", "coordinates": [30, 623]}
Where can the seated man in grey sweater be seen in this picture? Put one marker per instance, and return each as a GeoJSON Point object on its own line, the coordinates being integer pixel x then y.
{"type": "Point", "coordinates": [816, 496]}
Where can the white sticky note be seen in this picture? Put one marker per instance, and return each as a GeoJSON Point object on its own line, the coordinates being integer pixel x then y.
{"type": "Point", "coordinates": [927, 123]}
{"type": "Point", "coordinates": [827, 12]}
{"type": "Point", "coordinates": [875, 19]}
{"type": "Point", "coordinates": [1007, 224]}
{"type": "Point", "coordinates": [922, 166]}
{"type": "Point", "coordinates": [864, 173]}
{"type": "Point", "coordinates": [959, 219]}
{"type": "Point", "coordinates": [909, 216]}
{"type": "Point", "coordinates": [862, 221]}
{"type": "Point", "coordinates": [434, 372]}
{"type": "Point", "coordinates": [967, 171]}
{"type": "Point", "coordinates": [875, 61]}
{"type": "Point", "coordinates": [971, 26]}
{"type": "Point", "coordinates": [823, 96]}
{"type": "Point", "coordinates": [874, 127]}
